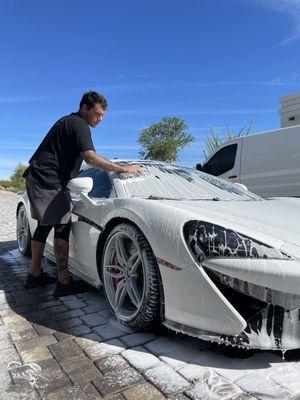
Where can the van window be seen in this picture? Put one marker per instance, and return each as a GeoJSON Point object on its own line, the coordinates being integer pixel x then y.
{"type": "Point", "coordinates": [222, 161]}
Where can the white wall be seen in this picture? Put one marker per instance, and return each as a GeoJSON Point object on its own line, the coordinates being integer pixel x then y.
{"type": "Point", "coordinates": [290, 110]}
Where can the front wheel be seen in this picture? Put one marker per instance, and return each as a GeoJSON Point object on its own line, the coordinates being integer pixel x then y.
{"type": "Point", "coordinates": [23, 232]}
{"type": "Point", "coordinates": [130, 277]}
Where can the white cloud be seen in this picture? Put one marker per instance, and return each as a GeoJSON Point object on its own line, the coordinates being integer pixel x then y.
{"type": "Point", "coordinates": [291, 7]}
{"type": "Point", "coordinates": [17, 147]}
{"type": "Point", "coordinates": [10, 162]}
{"type": "Point", "coordinates": [18, 143]}
{"type": "Point", "coordinates": [130, 76]}
{"type": "Point", "coordinates": [22, 99]}
{"type": "Point", "coordinates": [143, 87]}
{"type": "Point", "coordinates": [159, 113]}
{"type": "Point", "coordinates": [118, 147]}
{"type": "Point", "coordinates": [146, 86]}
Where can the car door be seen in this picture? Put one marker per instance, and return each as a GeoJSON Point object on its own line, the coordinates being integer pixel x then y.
{"type": "Point", "coordinates": [86, 225]}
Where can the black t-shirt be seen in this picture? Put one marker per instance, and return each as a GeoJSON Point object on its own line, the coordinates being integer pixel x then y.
{"type": "Point", "coordinates": [58, 158]}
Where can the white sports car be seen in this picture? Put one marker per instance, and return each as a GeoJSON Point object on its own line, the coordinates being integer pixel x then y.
{"type": "Point", "coordinates": [201, 255]}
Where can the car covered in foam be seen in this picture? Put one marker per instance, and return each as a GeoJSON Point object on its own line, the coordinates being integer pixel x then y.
{"type": "Point", "coordinates": [202, 256]}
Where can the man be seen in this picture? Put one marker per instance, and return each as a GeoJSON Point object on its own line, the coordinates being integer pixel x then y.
{"type": "Point", "coordinates": [55, 162]}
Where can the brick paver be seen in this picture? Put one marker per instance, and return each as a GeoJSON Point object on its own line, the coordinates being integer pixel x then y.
{"type": "Point", "coordinates": [72, 348]}
{"type": "Point", "coordinates": [117, 381]}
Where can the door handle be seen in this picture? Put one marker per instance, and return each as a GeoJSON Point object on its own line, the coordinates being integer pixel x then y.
{"type": "Point", "coordinates": [232, 177]}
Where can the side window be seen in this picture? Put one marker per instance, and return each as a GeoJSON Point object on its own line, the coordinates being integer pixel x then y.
{"type": "Point", "coordinates": [102, 184]}
{"type": "Point", "coordinates": [222, 161]}
{"type": "Point", "coordinates": [228, 154]}
{"type": "Point", "coordinates": [212, 166]}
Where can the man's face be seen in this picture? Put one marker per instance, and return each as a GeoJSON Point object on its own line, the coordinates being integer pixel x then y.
{"type": "Point", "coordinates": [94, 115]}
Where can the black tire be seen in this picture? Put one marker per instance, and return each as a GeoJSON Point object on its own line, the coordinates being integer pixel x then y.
{"type": "Point", "coordinates": [23, 232]}
{"type": "Point", "coordinates": [148, 312]}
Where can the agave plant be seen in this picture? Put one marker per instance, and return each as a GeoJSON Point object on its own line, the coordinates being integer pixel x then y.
{"type": "Point", "coordinates": [214, 140]}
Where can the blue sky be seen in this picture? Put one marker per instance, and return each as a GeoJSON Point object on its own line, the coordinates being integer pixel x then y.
{"type": "Point", "coordinates": [211, 62]}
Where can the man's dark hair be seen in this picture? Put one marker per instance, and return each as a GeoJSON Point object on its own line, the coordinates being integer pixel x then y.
{"type": "Point", "coordinates": [91, 98]}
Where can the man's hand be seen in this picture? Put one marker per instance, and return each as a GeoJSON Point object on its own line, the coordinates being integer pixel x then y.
{"type": "Point", "coordinates": [133, 169]}
{"type": "Point", "coordinates": [94, 159]}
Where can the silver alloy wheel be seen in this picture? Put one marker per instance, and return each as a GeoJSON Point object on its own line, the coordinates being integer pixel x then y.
{"type": "Point", "coordinates": [23, 233]}
{"type": "Point", "coordinates": [123, 276]}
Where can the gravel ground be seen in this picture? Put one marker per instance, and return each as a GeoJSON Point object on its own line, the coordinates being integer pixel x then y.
{"type": "Point", "coordinates": [8, 204]}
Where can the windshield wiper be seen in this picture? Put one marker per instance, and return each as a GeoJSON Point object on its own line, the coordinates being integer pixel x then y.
{"type": "Point", "coordinates": [151, 197]}
{"type": "Point", "coordinates": [211, 199]}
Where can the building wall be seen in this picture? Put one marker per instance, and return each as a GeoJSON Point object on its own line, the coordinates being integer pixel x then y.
{"type": "Point", "coordinates": [290, 110]}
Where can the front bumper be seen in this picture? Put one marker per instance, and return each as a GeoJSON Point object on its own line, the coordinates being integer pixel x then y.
{"type": "Point", "coordinates": [272, 317]}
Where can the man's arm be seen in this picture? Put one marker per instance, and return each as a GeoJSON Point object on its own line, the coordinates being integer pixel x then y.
{"type": "Point", "coordinates": [92, 158]}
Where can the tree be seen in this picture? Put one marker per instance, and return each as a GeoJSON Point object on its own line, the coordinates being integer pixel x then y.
{"type": "Point", "coordinates": [163, 140]}
{"type": "Point", "coordinates": [4, 183]}
{"type": "Point", "coordinates": [214, 140]}
{"type": "Point", "coordinates": [17, 181]}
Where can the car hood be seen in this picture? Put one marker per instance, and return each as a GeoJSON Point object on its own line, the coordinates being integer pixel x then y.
{"type": "Point", "coordinates": [274, 218]}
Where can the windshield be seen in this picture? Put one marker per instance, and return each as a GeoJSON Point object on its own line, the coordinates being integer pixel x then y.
{"type": "Point", "coordinates": [180, 183]}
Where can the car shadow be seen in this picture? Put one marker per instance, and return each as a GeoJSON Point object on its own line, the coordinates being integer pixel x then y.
{"type": "Point", "coordinates": [67, 318]}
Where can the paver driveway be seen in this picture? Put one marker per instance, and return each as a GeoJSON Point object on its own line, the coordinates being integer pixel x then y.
{"type": "Point", "coordinates": [72, 348]}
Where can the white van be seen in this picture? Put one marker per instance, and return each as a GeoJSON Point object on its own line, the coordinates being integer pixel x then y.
{"type": "Point", "coordinates": [268, 163]}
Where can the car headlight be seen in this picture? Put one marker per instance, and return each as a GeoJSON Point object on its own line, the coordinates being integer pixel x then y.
{"type": "Point", "coordinates": [210, 240]}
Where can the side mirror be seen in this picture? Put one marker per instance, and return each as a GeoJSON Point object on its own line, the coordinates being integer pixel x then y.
{"type": "Point", "coordinates": [80, 185]}
{"type": "Point", "coordinates": [198, 167]}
